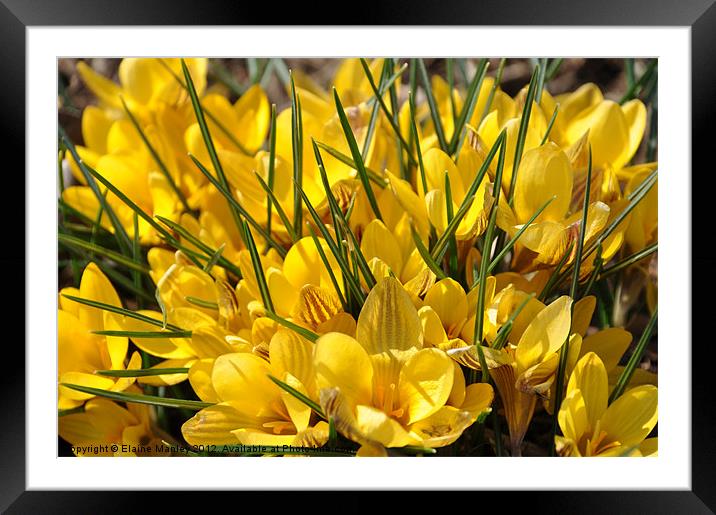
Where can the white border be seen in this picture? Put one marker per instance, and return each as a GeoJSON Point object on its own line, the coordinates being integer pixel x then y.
{"type": "Point", "coordinates": [671, 470]}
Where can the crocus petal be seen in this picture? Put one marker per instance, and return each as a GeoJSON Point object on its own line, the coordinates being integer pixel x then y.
{"type": "Point", "coordinates": [573, 419]}
{"type": "Point", "coordinates": [388, 320]}
{"type": "Point", "coordinates": [631, 417]}
{"type": "Point", "coordinates": [200, 380]}
{"type": "Point", "coordinates": [378, 241]}
{"type": "Point", "coordinates": [340, 361]}
{"type": "Point", "coordinates": [214, 425]}
{"type": "Point", "coordinates": [243, 378]}
{"type": "Point", "coordinates": [609, 344]}
{"type": "Point", "coordinates": [590, 377]}
{"type": "Point", "coordinates": [449, 301]}
{"type": "Point", "coordinates": [545, 334]}
{"type": "Point", "coordinates": [378, 426]}
{"type": "Point", "coordinates": [582, 314]}
{"type": "Point", "coordinates": [425, 383]}
{"type": "Point", "coordinates": [544, 173]}
{"type": "Point", "coordinates": [291, 354]}
{"type": "Point", "coordinates": [95, 286]}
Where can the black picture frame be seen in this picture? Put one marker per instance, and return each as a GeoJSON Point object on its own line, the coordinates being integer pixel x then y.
{"type": "Point", "coordinates": [699, 15]}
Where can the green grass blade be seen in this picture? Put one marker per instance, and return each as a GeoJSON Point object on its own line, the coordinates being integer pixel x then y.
{"type": "Point", "coordinates": [552, 69]}
{"type": "Point", "coordinates": [146, 372]}
{"type": "Point", "coordinates": [297, 147]}
{"type": "Point", "coordinates": [414, 134]}
{"type": "Point", "coordinates": [632, 91]}
{"type": "Point", "coordinates": [504, 331]}
{"type": "Point", "coordinates": [522, 133]}
{"type": "Point", "coordinates": [271, 172]}
{"type": "Point", "coordinates": [425, 254]}
{"type": "Point", "coordinates": [549, 126]}
{"type": "Point", "coordinates": [635, 358]}
{"type": "Point", "coordinates": [118, 258]}
{"type": "Point", "coordinates": [469, 105]}
{"type": "Point", "coordinates": [493, 90]}
{"type": "Point", "coordinates": [379, 98]}
{"type": "Point", "coordinates": [355, 152]}
{"type": "Point", "coordinates": [155, 156]}
{"type": "Point", "coordinates": [145, 334]}
{"type": "Point", "coordinates": [434, 112]}
{"type": "Point", "coordinates": [452, 242]}
{"type": "Point", "coordinates": [334, 280]}
{"type": "Point", "coordinates": [151, 400]}
{"type": "Point", "coordinates": [214, 258]}
{"type": "Point", "coordinates": [372, 175]}
{"type": "Point", "coordinates": [221, 74]}
{"type": "Point", "coordinates": [279, 210]}
{"type": "Point", "coordinates": [298, 395]}
{"type": "Point", "coordinates": [201, 302]}
{"type": "Point", "coordinates": [628, 261]}
{"type": "Point", "coordinates": [258, 268]}
{"type": "Point", "coordinates": [121, 311]}
{"type": "Point", "coordinates": [306, 333]}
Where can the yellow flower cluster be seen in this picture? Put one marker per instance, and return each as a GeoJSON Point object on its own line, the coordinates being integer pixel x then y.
{"type": "Point", "coordinates": [354, 273]}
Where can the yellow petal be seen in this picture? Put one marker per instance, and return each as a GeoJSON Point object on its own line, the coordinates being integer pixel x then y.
{"type": "Point", "coordinates": [590, 377]}
{"type": "Point", "coordinates": [83, 379]}
{"type": "Point", "coordinates": [410, 202]}
{"type": "Point", "coordinates": [545, 334]}
{"type": "Point", "coordinates": [572, 417]}
{"type": "Point", "coordinates": [425, 383]}
{"type": "Point", "coordinates": [388, 320]}
{"type": "Point", "coordinates": [449, 301]}
{"type": "Point", "coordinates": [103, 88]}
{"type": "Point", "coordinates": [200, 380]}
{"type": "Point", "coordinates": [77, 349]}
{"type": "Point", "coordinates": [254, 114]}
{"type": "Point", "coordinates": [631, 417]}
{"type": "Point", "coordinates": [609, 344]}
{"type": "Point", "coordinates": [635, 114]}
{"type": "Point", "coordinates": [378, 426]}
{"type": "Point", "coordinates": [95, 286]}
{"type": "Point", "coordinates": [544, 172]}
{"type": "Point", "coordinates": [433, 329]}
{"type": "Point", "coordinates": [340, 361]}
{"type": "Point", "coordinates": [443, 427]}
{"type": "Point", "coordinates": [213, 425]}
{"type": "Point", "coordinates": [582, 314]}
{"type": "Point", "coordinates": [436, 164]}
{"type": "Point", "coordinates": [243, 378]}
{"type": "Point", "coordinates": [378, 241]}
{"type": "Point", "coordinates": [289, 353]}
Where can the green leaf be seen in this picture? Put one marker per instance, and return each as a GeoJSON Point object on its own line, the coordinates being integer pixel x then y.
{"type": "Point", "coordinates": [297, 147]}
{"type": "Point", "coordinates": [214, 258]}
{"type": "Point", "coordinates": [372, 175]}
{"type": "Point", "coordinates": [469, 105]}
{"type": "Point", "coordinates": [355, 152]}
{"type": "Point", "coordinates": [632, 91]}
{"type": "Point", "coordinates": [522, 133]}
{"type": "Point", "coordinates": [152, 400]}
{"type": "Point", "coordinates": [281, 213]}
{"type": "Point", "coordinates": [425, 254]}
{"type": "Point", "coordinates": [271, 172]}
{"type": "Point", "coordinates": [220, 73]}
{"type": "Point", "coordinates": [628, 261]}
{"type": "Point", "coordinates": [549, 126]}
{"type": "Point", "coordinates": [553, 68]}
{"type": "Point", "coordinates": [258, 268]}
{"type": "Point", "coordinates": [416, 139]}
{"type": "Point", "coordinates": [298, 395]}
{"type": "Point", "coordinates": [635, 358]}
{"type": "Point", "coordinates": [201, 302]}
{"type": "Point", "coordinates": [72, 411]}
{"type": "Point", "coordinates": [324, 258]}
{"type": "Point", "coordinates": [493, 90]}
{"type": "Point", "coordinates": [379, 98]}
{"type": "Point", "coordinates": [434, 113]}
{"type": "Point", "coordinates": [504, 331]}
{"type": "Point", "coordinates": [114, 256]}
{"type": "Point", "coordinates": [146, 372]}
{"type": "Point", "coordinates": [120, 311]}
{"type": "Point", "coordinates": [306, 333]}
{"type": "Point", "coordinates": [145, 334]}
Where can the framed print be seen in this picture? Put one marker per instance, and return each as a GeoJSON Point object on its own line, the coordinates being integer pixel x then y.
{"type": "Point", "coordinates": [435, 245]}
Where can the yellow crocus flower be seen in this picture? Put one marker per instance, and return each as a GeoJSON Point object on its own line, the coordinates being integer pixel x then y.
{"type": "Point", "coordinates": [383, 388]}
{"type": "Point", "coordinates": [591, 427]}
{"type": "Point", "coordinates": [106, 429]}
{"type": "Point", "coordinates": [615, 131]}
{"type": "Point", "coordinates": [251, 409]}
{"type": "Point", "coordinates": [80, 352]}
